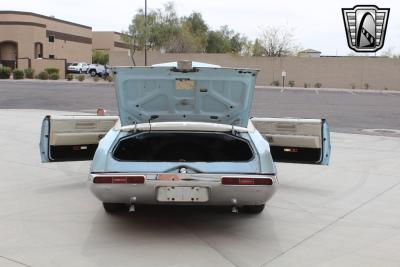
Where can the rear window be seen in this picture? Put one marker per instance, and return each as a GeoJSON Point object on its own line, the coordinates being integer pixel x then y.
{"type": "Point", "coordinates": [183, 147]}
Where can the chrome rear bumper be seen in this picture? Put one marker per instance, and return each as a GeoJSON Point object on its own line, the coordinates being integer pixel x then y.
{"type": "Point", "coordinates": [218, 194]}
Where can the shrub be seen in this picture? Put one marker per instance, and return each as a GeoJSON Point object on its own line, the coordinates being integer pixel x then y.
{"type": "Point", "coordinates": [29, 73]}
{"type": "Point", "coordinates": [275, 83]}
{"type": "Point", "coordinates": [305, 85]}
{"type": "Point", "coordinates": [366, 86]}
{"type": "Point", "coordinates": [109, 78]}
{"type": "Point", "coordinates": [317, 85]}
{"type": "Point", "coordinates": [99, 57]}
{"type": "Point", "coordinates": [18, 74]}
{"type": "Point", "coordinates": [52, 70]}
{"type": "Point", "coordinates": [5, 72]}
{"type": "Point", "coordinates": [81, 77]}
{"type": "Point", "coordinates": [96, 78]}
{"type": "Point", "coordinates": [291, 83]}
{"type": "Point", "coordinates": [69, 77]}
{"type": "Point", "coordinates": [54, 76]}
{"type": "Point", "coordinates": [43, 76]}
{"type": "Point", "coordinates": [353, 86]}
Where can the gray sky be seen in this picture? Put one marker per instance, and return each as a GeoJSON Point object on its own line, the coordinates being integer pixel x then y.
{"type": "Point", "coordinates": [317, 24]}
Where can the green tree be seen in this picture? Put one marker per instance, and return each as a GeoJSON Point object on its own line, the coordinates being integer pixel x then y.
{"type": "Point", "coordinates": [225, 40]}
{"type": "Point", "coordinates": [217, 42]}
{"type": "Point", "coordinates": [168, 32]}
{"type": "Point", "coordinates": [166, 28]}
{"type": "Point", "coordinates": [195, 25]}
{"type": "Point", "coordinates": [190, 37]}
{"type": "Point", "coordinates": [161, 26]}
{"type": "Point", "coordinates": [257, 49]}
{"type": "Point", "coordinates": [137, 32]}
{"type": "Point", "coordinates": [99, 57]}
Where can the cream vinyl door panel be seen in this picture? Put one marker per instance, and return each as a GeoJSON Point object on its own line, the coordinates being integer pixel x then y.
{"type": "Point", "coordinates": [78, 130]}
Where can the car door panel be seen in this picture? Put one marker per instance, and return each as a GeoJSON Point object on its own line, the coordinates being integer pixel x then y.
{"type": "Point", "coordinates": [72, 138]}
{"type": "Point", "coordinates": [296, 140]}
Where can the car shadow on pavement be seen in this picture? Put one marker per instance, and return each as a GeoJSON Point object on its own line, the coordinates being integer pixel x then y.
{"type": "Point", "coordinates": [182, 228]}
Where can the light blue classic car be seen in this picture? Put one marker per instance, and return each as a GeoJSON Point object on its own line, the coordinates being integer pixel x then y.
{"type": "Point", "coordinates": [184, 137]}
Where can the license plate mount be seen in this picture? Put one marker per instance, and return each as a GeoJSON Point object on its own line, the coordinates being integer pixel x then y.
{"type": "Point", "coordinates": [182, 194]}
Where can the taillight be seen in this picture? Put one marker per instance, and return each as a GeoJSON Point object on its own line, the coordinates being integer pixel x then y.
{"type": "Point", "coordinates": [119, 180]}
{"type": "Point", "coordinates": [246, 181]}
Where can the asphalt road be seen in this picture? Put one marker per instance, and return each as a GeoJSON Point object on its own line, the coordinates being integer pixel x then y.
{"type": "Point", "coordinates": [347, 111]}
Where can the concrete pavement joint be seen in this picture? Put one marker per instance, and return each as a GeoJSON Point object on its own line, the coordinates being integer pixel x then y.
{"type": "Point", "coordinates": [215, 249]}
{"type": "Point", "coordinates": [15, 261]}
{"type": "Point", "coordinates": [330, 224]}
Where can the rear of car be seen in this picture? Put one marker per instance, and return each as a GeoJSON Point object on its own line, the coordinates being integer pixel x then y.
{"type": "Point", "coordinates": [182, 167]}
{"type": "Point", "coordinates": [184, 137]}
{"type": "Point", "coordinates": [184, 164]}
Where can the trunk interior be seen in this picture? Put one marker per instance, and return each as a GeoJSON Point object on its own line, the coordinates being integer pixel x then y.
{"type": "Point", "coordinates": [183, 147]}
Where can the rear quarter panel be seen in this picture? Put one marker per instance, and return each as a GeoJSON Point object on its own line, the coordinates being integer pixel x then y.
{"type": "Point", "coordinates": [100, 159]}
{"type": "Point", "coordinates": [261, 145]}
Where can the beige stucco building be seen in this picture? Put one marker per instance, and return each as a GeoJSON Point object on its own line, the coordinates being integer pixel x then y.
{"type": "Point", "coordinates": [108, 41]}
{"type": "Point", "coordinates": [29, 39]}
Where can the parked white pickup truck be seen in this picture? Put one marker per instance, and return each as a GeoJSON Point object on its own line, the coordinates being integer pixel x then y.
{"type": "Point", "coordinates": [98, 69]}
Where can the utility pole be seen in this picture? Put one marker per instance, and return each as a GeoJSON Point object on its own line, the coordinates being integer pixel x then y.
{"type": "Point", "coordinates": [145, 32]}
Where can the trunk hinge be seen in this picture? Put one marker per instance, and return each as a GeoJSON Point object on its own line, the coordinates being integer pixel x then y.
{"type": "Point", "coordinates": [233, 130]}
{"type": "Point", "coordinates": [135, 129]}
{"type": "Point", "coordinates": [152, 117]}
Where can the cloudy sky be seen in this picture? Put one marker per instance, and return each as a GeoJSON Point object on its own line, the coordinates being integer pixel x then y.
{"type": "Point", "coordinates": [316, 24]}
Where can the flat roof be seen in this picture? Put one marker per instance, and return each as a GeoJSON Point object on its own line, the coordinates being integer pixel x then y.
{"type": "Point", "coordinates": [44, 17]}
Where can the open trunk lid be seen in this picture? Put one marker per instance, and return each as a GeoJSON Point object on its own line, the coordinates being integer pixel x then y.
{"type": "Point", "coordinates": [162, 94]}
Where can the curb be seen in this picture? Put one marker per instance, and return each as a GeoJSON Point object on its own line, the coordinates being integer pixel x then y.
{"type": "Point", "coordinates": [347, 90]}
{"type": "Point", "coordinates": [61, 81]}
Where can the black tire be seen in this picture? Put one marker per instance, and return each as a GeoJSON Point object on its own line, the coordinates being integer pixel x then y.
{"type": "Point", "coordinates": [114, 207]}
{"type": "Point", "coordinates": [93, 73]}
{"type": "Point", "coordinates": [253, 209]}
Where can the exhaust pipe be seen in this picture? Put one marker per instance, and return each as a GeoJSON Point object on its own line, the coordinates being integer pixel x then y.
{"type": "Point", "coordinates": [234, 206]}
{"type": "Point", "coordinates": [132, 204]}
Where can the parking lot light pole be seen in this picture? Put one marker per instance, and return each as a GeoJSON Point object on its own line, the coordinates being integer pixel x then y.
{"type": "Point", "coordinates": [283, 78]}
{"type": "Point", "coordinates": [145, 32]}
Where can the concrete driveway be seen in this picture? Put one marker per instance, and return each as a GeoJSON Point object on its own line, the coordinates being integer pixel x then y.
{"type": "Point", "coordinates": [347, 214]}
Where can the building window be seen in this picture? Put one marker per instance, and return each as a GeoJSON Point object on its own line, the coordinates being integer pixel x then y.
{"type": "Point", "coordinates": [38, 50]}
{"type": "Point", "coordinates": [51, 56]}
{"type": "Point", "coordinates": [51, 38]}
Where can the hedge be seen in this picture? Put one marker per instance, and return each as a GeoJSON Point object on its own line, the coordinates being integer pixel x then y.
{"type": "Point", "coordinates": [5, 72]}
{"type": "Point", "coordinates": [18, 74]}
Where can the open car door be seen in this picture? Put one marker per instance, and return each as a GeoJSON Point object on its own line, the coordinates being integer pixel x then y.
{"type": "Point", "coordinates": [296, 140]}
{"type": "Point", "coordinates": [73, 137]}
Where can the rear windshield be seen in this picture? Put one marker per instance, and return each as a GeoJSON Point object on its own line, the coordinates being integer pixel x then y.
{"type": "Point", "coordinates": [183, 147]}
